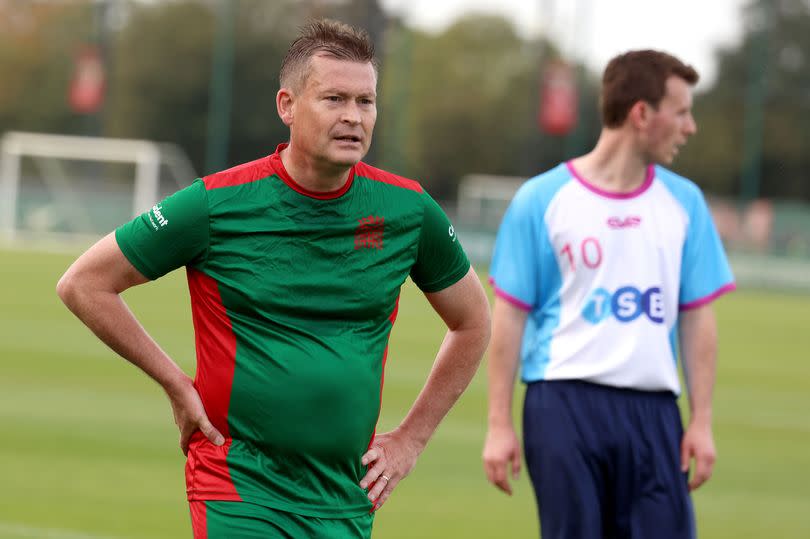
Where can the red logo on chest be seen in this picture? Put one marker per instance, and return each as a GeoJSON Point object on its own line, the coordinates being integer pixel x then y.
{"type": "Point", "coordinates": [369, 233]}
{"type": "Point", "coordinates": [628, 222]}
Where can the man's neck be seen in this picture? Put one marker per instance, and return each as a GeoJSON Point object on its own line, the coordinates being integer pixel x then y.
{"type": "Point", "coordinates": [614, 165]}
{"type": "Point", "coordinates": [308, 174]}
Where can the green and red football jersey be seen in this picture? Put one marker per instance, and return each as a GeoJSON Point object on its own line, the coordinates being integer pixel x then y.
{"type": "Point", "coordinates": [293, 297]}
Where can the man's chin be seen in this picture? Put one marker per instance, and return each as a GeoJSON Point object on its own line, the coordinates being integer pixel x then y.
{"type": "Point", "coordinates": [348, 158]}
{"type": "Point", "coordinates": [666, 159]}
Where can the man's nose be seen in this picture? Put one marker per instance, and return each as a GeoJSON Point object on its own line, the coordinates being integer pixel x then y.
{"type": "Point", "coordinates": [351, 114]}
{"type": "Point", "coordinates": [691, 126]}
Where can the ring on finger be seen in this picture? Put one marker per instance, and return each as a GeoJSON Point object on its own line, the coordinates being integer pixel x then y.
{"type": "Point", "coordinates": [383, 476]}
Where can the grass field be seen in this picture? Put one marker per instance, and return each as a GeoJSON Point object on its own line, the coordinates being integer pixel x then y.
{"type": "Point", "coordinates": [91, 450]}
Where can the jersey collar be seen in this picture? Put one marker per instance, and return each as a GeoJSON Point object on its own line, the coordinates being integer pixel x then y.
{"type": "Point", "coordinates": [610, 194]}
{"type": "Point", "coordinates": [281, 171]}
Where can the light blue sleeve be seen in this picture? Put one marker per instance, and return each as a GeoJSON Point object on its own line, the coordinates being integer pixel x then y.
{"type": "Point", "coordinates": [514, 268]}
{"type": "Point", "coordinates": [524, 268]}
{"type": "Point", "coordinates": [705, 272]}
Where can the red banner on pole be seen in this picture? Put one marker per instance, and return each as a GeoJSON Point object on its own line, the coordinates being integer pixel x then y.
{"type": "Point", "coordinates": [88, 86]}
{"type": "Point", "coordinates": [558, 99]}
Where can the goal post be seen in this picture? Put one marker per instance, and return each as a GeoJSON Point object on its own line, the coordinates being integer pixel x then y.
{"type": "Point", "coordinates": [58, 185]}
{"type": "Point", "coordinates": [482, 200]}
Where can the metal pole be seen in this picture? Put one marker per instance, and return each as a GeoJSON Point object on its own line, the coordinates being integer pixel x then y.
{"type": "Point", "coordinates": [753, 112]}
{"type": "Point", "coordinates": [398, 100]}
{"type": "Point", "coordinates": [219, 101]}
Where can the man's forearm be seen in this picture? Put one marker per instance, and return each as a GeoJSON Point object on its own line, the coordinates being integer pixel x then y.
{"type": "Point", "coordinates": [702, 373]}
{"type": "Point", "coordinates": [508, 322]}
{"type": "Point", "coordinates": [501, 372]}
{"type": "Point", "coordinates": [109, 318]}
{"type": "Point", "coordinates": [699, 351]}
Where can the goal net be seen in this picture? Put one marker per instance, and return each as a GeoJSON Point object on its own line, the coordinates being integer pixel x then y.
{"type": "Point", "coordinates": [71, 189]}
{"type": "Point", "coordinates": [482, 201]}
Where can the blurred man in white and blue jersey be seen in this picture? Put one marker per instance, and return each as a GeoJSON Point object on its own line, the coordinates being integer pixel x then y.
{"type": "Point", "coordinates": [604, 268]}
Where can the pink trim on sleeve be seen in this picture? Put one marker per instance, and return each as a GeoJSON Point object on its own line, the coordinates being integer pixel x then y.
{"type": "Point", "coordinates": [708, 299]}
{"type": "Point", "coordinates": [509, 298]}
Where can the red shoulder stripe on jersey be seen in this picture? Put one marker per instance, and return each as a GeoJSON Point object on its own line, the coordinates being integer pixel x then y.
{"type": "Point", "coordinates": [373, 173]}
{"type": "Point", "coordinates": [240, 174]}
{"type": "Point", "coordinates": [207, 471]}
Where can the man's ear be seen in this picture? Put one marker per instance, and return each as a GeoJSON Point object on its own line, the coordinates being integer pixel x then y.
{"type": "Point", "coordinates": [285, 104]}
{"type": "Point", "coordinates": [640, 114]}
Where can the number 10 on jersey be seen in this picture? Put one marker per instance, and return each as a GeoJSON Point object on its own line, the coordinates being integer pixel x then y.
{"type": "Point", "coordinates": [589, 252]}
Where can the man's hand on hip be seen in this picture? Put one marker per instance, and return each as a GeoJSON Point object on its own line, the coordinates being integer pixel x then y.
{"type": "Point", "coordinates": [391, 457]}
{"type": "Point", "coordinates": [190, 416]}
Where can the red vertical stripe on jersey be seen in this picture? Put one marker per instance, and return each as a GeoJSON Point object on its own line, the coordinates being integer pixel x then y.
{"type": "Point", "coordinates": [207, 472]}
{"type": "Point", "coordinates": [198, 523]}
{"type": "Point", "coordinates": [392, 318]}
{"type": "Point", "coordinates": [216, 348]}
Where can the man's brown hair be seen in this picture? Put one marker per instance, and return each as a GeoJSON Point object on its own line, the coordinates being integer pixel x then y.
{"type": "Point", "coordinates": [327, 36]}
{"type": "Point", "coordinates": [638, 76]}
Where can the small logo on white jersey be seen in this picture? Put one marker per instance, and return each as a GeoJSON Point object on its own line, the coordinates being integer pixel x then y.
{"type": "Point", "coordinates": [630, 221]}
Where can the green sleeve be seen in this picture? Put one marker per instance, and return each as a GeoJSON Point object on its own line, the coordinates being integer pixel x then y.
{"type": "Point", "coordinates": [440, 260]}
{"type": "Point", "coordinates": [171, 234]}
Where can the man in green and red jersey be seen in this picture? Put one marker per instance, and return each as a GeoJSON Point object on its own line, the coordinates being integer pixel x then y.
{"type": "Point", "coordinates": [295, 263]}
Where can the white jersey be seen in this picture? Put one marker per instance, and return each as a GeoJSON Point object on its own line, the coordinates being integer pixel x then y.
{"type": "Point", "coordinates": [603, 276]}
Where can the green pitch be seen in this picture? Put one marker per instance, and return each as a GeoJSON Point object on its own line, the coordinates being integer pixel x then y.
{"type": "Point", "coordinates": [90, 450]}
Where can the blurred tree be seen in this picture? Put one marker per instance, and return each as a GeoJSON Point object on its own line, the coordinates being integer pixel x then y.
{"type": "Point", "coordinates": [774, 52]}
{"type": "Point", "coordinates": [38, 44]}
{"type": "Point", "coordinates": [264, 31]}
{"type": "Point", "coordinates": [471, 96]}
{"type": "Point", "coordinates": [161, 76]}
{"type": "Point", "coordinates": [461, 101]}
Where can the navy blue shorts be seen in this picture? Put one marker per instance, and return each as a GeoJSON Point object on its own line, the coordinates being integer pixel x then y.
{"type": "Point", "coordinates": [605, 462]}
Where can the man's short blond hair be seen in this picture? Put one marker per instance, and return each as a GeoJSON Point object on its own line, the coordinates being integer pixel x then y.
{"type": "Point", "coordinates": [331, 38]}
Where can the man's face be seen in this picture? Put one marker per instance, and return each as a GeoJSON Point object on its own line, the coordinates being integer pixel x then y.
{"type": "Point", "coordinates": [671, 124]}
{"type": "Point", "coordinates": [335, 112]}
